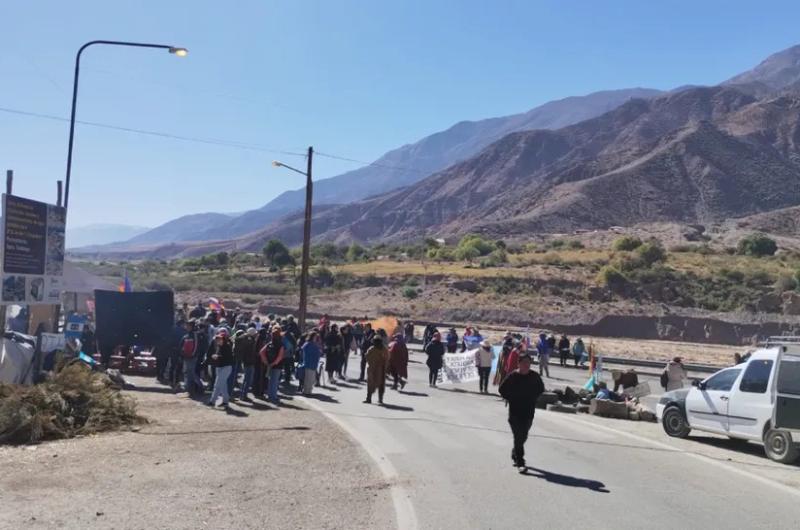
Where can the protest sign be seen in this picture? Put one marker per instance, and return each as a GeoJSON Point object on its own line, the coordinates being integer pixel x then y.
{"type": "Point", "coordinates": [33, 251]}
{"type": "Point", "coordinates": [459, 368]}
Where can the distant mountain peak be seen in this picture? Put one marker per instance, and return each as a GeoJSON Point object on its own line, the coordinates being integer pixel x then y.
{"type": "Point", "coordinates": [777, 71]}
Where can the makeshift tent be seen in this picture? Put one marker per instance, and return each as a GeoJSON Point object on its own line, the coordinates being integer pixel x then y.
{"type": "Point", "coordinates": [16, 358]}
{"type": "Point", "coordinates": [78, 286]}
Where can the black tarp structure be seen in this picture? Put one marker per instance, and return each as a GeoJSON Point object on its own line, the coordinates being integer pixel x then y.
{"type": "Point", "coordinates": [143, 319]}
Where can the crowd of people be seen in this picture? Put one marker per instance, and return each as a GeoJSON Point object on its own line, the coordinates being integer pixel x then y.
{"type": "Point", "coordinates": [235, 355]}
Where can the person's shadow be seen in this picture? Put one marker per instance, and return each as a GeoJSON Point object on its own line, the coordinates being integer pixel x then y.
{"type": "Point", "coordinates": [396, 407]}
{"type": "Point", "coordinates": [566, 480]}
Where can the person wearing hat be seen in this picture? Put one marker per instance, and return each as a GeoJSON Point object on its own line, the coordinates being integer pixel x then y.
{"type": "Point", "coordinates": [435, 352]}
{"type": "Point", "coordinates": [521, 390]}
{"type": "Point", "coordinates": [483, 361]}
{"type": "Point", "coordinates": [222, 359]}
{"type": "Point", "coordinates": [377, 361]}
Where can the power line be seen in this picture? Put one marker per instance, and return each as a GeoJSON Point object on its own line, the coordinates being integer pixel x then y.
{"type": "Point", "coordinates": [345, 159]}
{"type": "Point", "coordinates": [210, 141]}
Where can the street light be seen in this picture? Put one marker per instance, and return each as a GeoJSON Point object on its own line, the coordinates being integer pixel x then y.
{"type": "Point", "coordinates": [174, 50]}
{"type": "Point", "coordinates": [301, 317]}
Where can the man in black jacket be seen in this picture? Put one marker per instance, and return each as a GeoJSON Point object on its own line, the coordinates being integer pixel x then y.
{"type": "Point", "coordinates": [521, 389]}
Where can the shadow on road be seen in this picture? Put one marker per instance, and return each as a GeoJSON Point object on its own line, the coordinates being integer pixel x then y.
{"type": "Point", "coordinates": [230, 411]}
{"type": "Point", "coordinates": [347, 385]}
{"type": "Point", "coordinates": [465, 391]}
{"type": "Point", "coordinates": [397, 407]}
{"type": "Point", "coordinates": [322, 397]}
{"type": "Point", "coordinates": [566, 480]}
{"type": "Point", "coordinates": [412, 394]}
{"type": "Point", "coordinates": [224, 431]}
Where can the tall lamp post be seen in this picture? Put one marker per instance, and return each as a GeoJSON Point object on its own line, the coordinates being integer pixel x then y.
{"type": "Point", "coordinates": [180, 52]}
{"type": "Point", "coordinates": [301, 317]}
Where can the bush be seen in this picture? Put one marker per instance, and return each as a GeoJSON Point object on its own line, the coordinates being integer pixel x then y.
{"type": "Point", "coordinates": [785, 283]}
{"type": "Point", "coordinates": [322, 277]}
{"type": "Point", "coordinates": [651, 253]}
{"type": "Point", "coordinates": [473, 246]}
{"type": "Point", "coordinates": [757, 245]}
{"type": "Point", "coordinates": [574, 244]}
{"type": "Point", "coordinates": [76, 401]}
{"type": "Point", "coordinates": [627, 243]}
{"type": "Point", "coordinates": [611, 277]}
{"type": "Point", "coordinates": [355, 253]}
{"type": "Point", "coordinates": [410, 293]}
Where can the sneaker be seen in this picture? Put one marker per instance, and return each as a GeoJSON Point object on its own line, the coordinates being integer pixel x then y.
{"type": "Point", "coordinates": [402, 384]}
{"type": "Point", "coordinates": [367, 401]}
{"type": "Point", "coordinates": [522, 469]}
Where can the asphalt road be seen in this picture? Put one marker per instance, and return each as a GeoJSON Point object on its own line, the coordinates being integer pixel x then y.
{"type": "Point", "coordinates": [446, 452]}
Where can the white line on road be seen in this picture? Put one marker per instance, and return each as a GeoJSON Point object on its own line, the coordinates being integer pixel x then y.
{"type": "Point", "coordinates": [591, 425]}
{"type": "Point", "coordinates": [405, 515]}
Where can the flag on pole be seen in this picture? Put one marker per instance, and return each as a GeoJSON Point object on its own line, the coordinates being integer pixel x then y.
{"type": "Point", "coordinates": [215, 304]}
{"type": "Point", "coordinates": [125, 284]}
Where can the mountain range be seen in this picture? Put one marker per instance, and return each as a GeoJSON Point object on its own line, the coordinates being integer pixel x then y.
{"type": "Point", "coordinates": [694, 155]}
{"type": "Point", "coordinates": [101, 233]}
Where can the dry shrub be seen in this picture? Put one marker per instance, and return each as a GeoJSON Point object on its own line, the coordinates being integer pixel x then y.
{"type": "Point", "coordinates": [76, 401]}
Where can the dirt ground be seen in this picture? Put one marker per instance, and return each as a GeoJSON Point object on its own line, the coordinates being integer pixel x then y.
{"type": "Point", "coordinates": [197, 467]}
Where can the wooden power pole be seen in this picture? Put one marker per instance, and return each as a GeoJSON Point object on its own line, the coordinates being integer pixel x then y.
{"type": "Point", "coordinates": [301, 317]}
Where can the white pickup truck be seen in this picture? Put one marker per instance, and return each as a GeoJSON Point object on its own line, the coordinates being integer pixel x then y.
{"type": "Point", "coordinates": [758, 400]}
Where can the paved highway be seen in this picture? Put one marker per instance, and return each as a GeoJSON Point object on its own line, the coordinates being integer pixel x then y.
{"type": "Point", "coordinates": [445, 453]}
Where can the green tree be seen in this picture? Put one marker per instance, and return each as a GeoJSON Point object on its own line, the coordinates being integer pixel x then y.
{"type": "Point", "coordinates": [276, 254]}
{"type": "Point", "coordinates": [355, 252]}
{"type": "Point", "coordinates": [223, 259]}
{"type": "Point", "coordinates": [758, 245]}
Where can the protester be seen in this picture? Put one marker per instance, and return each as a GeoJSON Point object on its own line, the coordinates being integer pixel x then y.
{"type": "Point", "coordinates": [427, 335]}
{"type": "Point", "coordinates": [505, 353]}
{"type": "Point", "coordinates": [483, 361]}
{"type": "Point", "coordinates": [398, 361]}
{"type": "Point", "coordinates": [292, 327]}
{"type": "Point", "coordinates": [579, 352]}
{"type": "Point", "coordinates": [358, 333]}
{"type": "Point", "coordinates": [289, 348]}
{"type": "Point", "coordinates": [563, 350]}
{"type": "Point", "coordinates": [408, 331]}
{"type": "Point", "coordinates": [347, 344]}
{"type": "Point", "coordinates": [377, 359]}
{"type": "Point", "coordinates": [188, 349]}
{"type": "Point", "coordinates": [544, 349]}
{"type": "Point", "coordinates": [452, 340]}
{"type": "Point", "coordinates": [366, 343]}
{"type": "Point", "coordinates": [521, 390]}
{"type": "Point", "coordinates": [175, 358]}
{"type": "Point", "coordinates": [674, 375]}
{"type": "Point", "coordinates": [311, 353]}
{"type": "Point", "coordinates": [272, 356]}
{"type": "Point", "coordinates": [245, 352]}
{"type": "Point", "coordinates": [222, 359]}
{"type": "Point", "coordinates": [435, 353]}
{"type": "Point", "coordinates": [604, 393]}
{"type": "Point", "coordinates": [334, 355]}
{"type": "Point", "coordinates": [512, 361]}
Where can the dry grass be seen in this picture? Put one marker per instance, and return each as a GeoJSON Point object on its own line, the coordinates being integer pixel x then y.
{"type": "Point", "coordinates": [76, 401]}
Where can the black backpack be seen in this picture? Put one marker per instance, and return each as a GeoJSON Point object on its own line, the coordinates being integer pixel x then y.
{"type": "Point", "coordinates": [664, 379]}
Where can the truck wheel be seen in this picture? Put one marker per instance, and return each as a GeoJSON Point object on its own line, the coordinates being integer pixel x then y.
{"type": "Point", "coordinates": [780, 447]}
{"type": "Point", "coordinates": [675, 423]}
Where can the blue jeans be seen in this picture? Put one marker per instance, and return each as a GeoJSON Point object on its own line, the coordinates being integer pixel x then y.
{"type": "Point", "coordinates": [190, 380]}
{"type": "Point", "coordinates": [221, 385]}
{"type": "Point", "coordinates": [247, 382]}
{"type": "Point", "coordinates": [232, 377]}
{"type": "Point", "coordinates": [274, 381]}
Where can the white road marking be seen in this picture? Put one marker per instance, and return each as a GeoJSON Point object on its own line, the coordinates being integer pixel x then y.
{"type": "Point", "coordinates": [405, 515]}
{"type": "Point", "coordinates": [758, 478]}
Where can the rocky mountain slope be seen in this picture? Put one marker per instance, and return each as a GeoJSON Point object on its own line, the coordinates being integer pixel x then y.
{"type": "Point", "coordinates": [397, 168]}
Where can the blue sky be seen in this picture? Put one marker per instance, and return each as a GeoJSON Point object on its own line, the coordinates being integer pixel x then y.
{"type": "Point", "coordinates": [353, 78]}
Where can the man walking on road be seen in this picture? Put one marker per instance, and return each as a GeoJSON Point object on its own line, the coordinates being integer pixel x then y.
{"type": "Point", "coordinates": [521, 389]}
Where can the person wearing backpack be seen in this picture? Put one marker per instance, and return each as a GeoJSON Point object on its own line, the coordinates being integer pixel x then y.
{"type": "Point", "coordinates": [272, 356]}
{"type": "Point", "coordinates": [188, 350]}
{"type": "Point", "coordinates": [674, 375]}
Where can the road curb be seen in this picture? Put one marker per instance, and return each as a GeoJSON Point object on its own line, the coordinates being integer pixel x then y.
{"type": "Point", "coordinates": [405, 515]}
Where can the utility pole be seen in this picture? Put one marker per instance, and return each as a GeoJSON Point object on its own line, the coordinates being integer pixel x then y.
{"type": "Point", "coordinates": [306, 245]}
